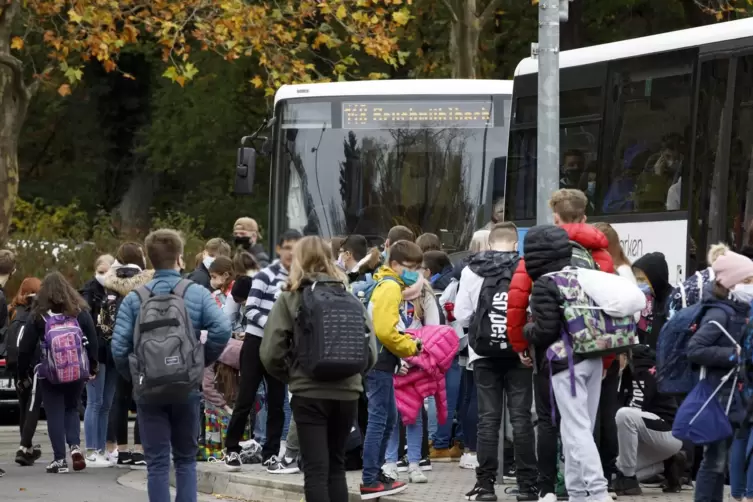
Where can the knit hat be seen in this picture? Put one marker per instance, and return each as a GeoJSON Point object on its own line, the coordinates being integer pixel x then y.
{"type": "Point", "coordinates": [732, 268]}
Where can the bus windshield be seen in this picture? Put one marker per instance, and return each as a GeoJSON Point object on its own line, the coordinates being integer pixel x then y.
{"type": "Point", "coordinates": [362, 165]}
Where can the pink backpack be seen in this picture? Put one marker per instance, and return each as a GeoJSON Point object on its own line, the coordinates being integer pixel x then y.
{"type": "Point", "coordinates": [63, 357]}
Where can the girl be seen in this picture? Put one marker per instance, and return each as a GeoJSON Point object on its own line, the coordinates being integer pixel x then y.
{"type": "Point", "coordinates": [727, 302]}
{"type": "Point", "coordinates": [127, 273]}
{"type": "Point", "coordinates": [324, 411]}
{"type": "Point", "coordinates": [419, 308]}
{"type": "Point", "coordinates": [221, 279]}
{"type": "Point", "coordinates": [18, 313]}
{"type": "Point", "coordinates": [621, 262]}
{"type": "Point", "coordinates": [99, 392]}
{"type": "Point", "coordinates": [58, 304]}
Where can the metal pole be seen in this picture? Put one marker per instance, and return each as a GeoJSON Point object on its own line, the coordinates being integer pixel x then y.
{"type": "Point", "coordinates": [548, 139]}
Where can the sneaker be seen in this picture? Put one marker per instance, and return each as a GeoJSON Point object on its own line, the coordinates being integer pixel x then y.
{"type": "Point", "coordinates": [529, 494]}
{"type": "Point", "coordinates": [441, 455]}
{"type": "Point", "coordinates": [36, 452]}
{"type": "Point", "coordinates": [512, 490]}
{"type": "Point", "coordinates": [283, 465]}
{"type": "Point", "coordinates": [673, 469]}
{"type": "Point", "coordinates": [425, 464]}
{"type": "Point", "coordinates": [77, 459]}
{"type": "Point", "coordinates": [57, 467]}
{"type": "Point", "coordinates": [233, 462]}
{"type": "Point", "coordinates": [24, 457]}
{"type": "Point", "coordinates": [138, 461]}
{"type": "Point", "coordinates": [381, 488]}
{"type": "Point", "coordinates": [456, 452]}
{"type": "Point", "coordinates": [468, 461]}
{"type": "Point", "coordinates": [509, 475]}
{"type": "Point", "coordinates": [113, 457]}
{"type": "Point", "coordinates": [391, 469]}
{"type": "Point", "coordinates": [687, 484]}
{"type": "Point", "coordinates": [2, 473]}
{"type": "Point", "coordinates": [483, 492]}
{"type": "Point", "coordinates": [125, 458]}
{"type": "Point", "coordinates": [654, 481]}
{"type": "Point", "coordinates": [415, 475]}
{"type": "Point", "coordinates": [626, 485]}
{"type": "Point", "coordinates": [547, 497]}
{"type": "Point", "coordinates": [271, 460]}
{"type": "Point", "coordinates": [97, 460]}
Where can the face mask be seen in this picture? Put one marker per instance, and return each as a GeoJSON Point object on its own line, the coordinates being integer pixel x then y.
{"type": "Point", "coordinates": [100, 278]}
{"type": "Point", "coordinates": [645, 288]}
{"type": "Point", "coordinates": [244, 242]}
{"type": "Point", "coordinates": [207, 261]}
{"type": "Point", "coordinates": [743, 293]}
{"type": "Point", "coordinates": [340, 263]}
{"type": "Point", "coordinates": [409, 277]}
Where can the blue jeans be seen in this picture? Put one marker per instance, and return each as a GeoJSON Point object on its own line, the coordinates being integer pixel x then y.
{"type": "Point", "coordinates": [380, 392]}
{"type": "Point", "coordinates": [469, 411]}
{"type": "Point", "coordinates": [444, 432]}
{"type": "Point", "coordinates": [61, 407]}
{"type": "Point", "coordinates": [166, 428]}
{"type": "Point", "coordinates": [99, 396]}
{"type": "Point", "coordinates": [431, 415]}
{"type": "Point", "coordinates": [414, 437]}
{"type": "Point", "coordinates": [709, 485]}
{"type": "Point", "coordinates": [288, 414]}
{"type": "Point", "coordinates": [740, 471]}
{"type": "Point", "coordinates": [260, 426]}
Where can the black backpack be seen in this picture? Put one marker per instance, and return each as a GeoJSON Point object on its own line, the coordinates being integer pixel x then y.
{"type": "Point", "coordinates": [330, 339]}
{"type": "Point", "coordinates": [14, 334]}
{"type": "Point", "coordinates": [108, 312]}
{"type": "Point", "coordinates": [487, 333]}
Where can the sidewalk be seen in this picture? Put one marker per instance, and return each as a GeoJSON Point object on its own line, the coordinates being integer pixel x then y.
{"type": "Point", "coordinates": [447, 482]}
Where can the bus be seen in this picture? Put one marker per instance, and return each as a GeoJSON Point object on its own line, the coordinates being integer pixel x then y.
{"type": "Point", "coordinates": [653, 130]}
{"type": "Point", "coordinates": [361, 157]}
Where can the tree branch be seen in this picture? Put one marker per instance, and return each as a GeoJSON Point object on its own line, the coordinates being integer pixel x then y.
{"type": "Point", "coordinates": [17, 70]}
{"type": "Point", "coordinates": [7, 15]}
{"type": "Point", "coordinates": [452, 11]}
{"type": "Point", "coordinates": [488, 13]}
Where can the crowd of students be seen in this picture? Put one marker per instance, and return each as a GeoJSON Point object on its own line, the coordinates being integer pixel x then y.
{"type": "Point", "coordinates": [446, 351]}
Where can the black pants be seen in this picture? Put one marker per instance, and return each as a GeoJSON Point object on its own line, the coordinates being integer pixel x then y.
{"type": "Point", "coordinates": [252, 373]}
{"type": "Point", "coordinates": [547, 431]}
{"type": "Point", "coordinates": [493, 377]}
{"type": "Point", "coordinates": [605, 431]}
{"type": "Point", "coordinates": [28, 414]}
{"type": "Point", "coordinates": [323, 428]}
{"type": "Point", "coordinates": [117, 428]}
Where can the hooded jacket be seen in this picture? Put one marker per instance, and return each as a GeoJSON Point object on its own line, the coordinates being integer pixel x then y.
{"type": "Point", "coordinates": [443, 279]}
{"type": "Point", "coordinates": [642, 391]}
{"type": "Point", "coordinates": [480, 266]}
{"type": "Point", "coordinates": [276, 356]}
{"type": "Point", "coordinates": [520, 289]}
{"type": "Point", "coordinates": [262, 258]}
{"type": "Point", "coordinates": [656, 270]}
{"type": "Point", "coordinates": [385, 306]}
{"type": "Point", "coordinates": [230, 356]}
{"type": "Point", "coordinates": [548, 250]}
{"type": "Point", "coordinates": [200, 275]}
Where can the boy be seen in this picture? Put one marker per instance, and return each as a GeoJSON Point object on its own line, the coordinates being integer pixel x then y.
{"type": "Point", "coordinates": [170, 427]}
{"type": "Point", "coordinates": [437, 269]}
{"type": "Point", "coordinates": [7, 268]}
{"type": "Point", "coordinates": [265, 288]}
{"type": "Point", "coordinates": [246, 236]}
{"type": "Point", "coordinates": [548, 249]}
{"type": "Point", "coordinates": [386, 309]}
{"type": "Point", "coordinates": [212, 249]}
{"type": "Point", "coordinates": [399, 233]}
{"type": "Point", "coordinates": [505, 371]}
{"type": "Point", "coordinates": [356, 257]}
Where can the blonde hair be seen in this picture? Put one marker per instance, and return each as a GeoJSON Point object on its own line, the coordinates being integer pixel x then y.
{"type": "Point", "coordinates": [479, 241]}
{"type": "Point", "coordinates": [217, 247]}
{"type": "Point", "coordinates": [312, 255]}
{"type": "Point", "coordinates": [105, 259]}
{"type": "Point", "coordinates": [569, 204]}
{"type": "Point", "coordinates": [715, 251]}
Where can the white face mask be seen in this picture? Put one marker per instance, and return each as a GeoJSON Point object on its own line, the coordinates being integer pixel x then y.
{"type": "Point", "coordinates": [208, 260]}
{"type": "Point", "coordinates": [743, 293]}
{"type": "Point", "coordinates": [100, 278]}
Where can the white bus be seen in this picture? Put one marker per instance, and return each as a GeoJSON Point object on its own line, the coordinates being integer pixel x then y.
{"type": "Point", "coordinates": [360, 157]}
{"type": "Point", "coordinates": [657, 131]}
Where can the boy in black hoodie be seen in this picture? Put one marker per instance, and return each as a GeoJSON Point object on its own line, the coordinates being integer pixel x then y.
{"type": "Point", "coordinates": [644, 430]}
{"type": "Point", "coordinates": [652, 273]}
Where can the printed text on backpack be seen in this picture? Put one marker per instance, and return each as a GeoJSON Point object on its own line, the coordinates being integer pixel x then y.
{"type": "Point", "coordinates": [487, 333]}
{"type": "Point", "coordinates": [330, 339]}
{"type": "Point", "coordinates": [64, 359]}
{"type": "Point", "coordinates": [167, 362]}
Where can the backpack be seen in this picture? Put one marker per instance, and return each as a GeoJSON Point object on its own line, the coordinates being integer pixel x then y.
{"type": "Point", "coordinates": [689, 291]}
{"type": "Point", "coordinates": [330, 339]}
{"type": "Point", "coordinates": [487, 332]}
{"type": "Point", "coordinates": [582, 257]}
{"type": "Point", "coordinates": [13, 340]}
{"type": "Point", "coordinates": [168, 360]}
{"type": "Point", "coordinates": [64, 359]}
{"type": "Point", "coordinates": [108, 312]}
{"type": "Point", "coordinates": [364, 289]}
{"type": "Point", "coordinates": [674, 373]}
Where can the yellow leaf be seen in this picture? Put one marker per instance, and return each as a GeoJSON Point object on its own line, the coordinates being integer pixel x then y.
{"type": "Point", "coordinates": [74, 16]}
{"type": "Point", "coordinates": [64, 90]}
{"type": "Point", "coordinates": [17, 43]}
{"type": "Point", "coordinates": [342, 12]}
{"type": "Point", "coordinates": [401, 17]}
{"type": "Point", "coordinates": [534, 2]}
{"type": "Point", "coordinates": [719, 16]}
{"type": "Point", "coordinates": [257, 82]}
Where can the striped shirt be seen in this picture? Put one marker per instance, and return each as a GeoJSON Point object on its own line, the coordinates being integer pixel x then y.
{"type": "Point", "coordinates": [265, 288]}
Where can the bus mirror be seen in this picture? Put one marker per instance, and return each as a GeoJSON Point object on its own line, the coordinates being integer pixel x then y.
{"type": "Point", "coordinates": [244, 171]}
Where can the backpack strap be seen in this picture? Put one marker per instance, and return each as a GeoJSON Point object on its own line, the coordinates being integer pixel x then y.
{"type": "Point", "coordinates": [143, 293]}
{"type": "Point", "coordinates": [181, 287]}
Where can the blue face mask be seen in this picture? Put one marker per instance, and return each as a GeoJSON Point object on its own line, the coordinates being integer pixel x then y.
{"type": "Point", "coordinates": [645, 288]}
{"type": "Point", "coordinates": [409, 277]}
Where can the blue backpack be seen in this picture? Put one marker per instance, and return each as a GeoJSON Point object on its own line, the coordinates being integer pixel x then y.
{"type": "Point", "coordinates": [674, 374]}
{"type": "Point", "coordinates": [364, 289]}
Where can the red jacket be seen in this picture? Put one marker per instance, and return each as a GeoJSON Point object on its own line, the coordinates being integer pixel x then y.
{"type": "Point", "coordinates": [520, 287]}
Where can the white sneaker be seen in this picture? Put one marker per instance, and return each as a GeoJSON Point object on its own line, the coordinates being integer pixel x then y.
{"type": "Point", "coordinates": [391, 471]}
{"type": "Point", "coordinates": [112, 457]}
{"type": "Point", "coordinates": [416, 475]}
{"type": "Point", "coordinates": [470, 461]}
{"type": "Point", "coordinates": [97, 460]}
{"type": "Point", "coordinates": [549, 497]}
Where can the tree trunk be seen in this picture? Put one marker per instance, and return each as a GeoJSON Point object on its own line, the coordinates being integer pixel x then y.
{"type": "Point", "coordinates": [133, 210]}
{"type": "Point", "coordinates": [464, 39]}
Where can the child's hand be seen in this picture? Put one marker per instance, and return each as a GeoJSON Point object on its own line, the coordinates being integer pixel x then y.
{"type": "Point", "coordinates": [403, 370]}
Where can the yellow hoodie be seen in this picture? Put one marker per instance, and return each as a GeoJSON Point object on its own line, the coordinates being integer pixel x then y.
{"type": "Point", "coordinates": [384, 308]}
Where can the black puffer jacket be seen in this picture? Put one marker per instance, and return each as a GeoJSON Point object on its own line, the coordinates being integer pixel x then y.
{"type": "Point", "coordinates": [200, 275]}
{"type": "Point", "coordinates": [96, 296]}
{"type": "Point", "coordinates": [547, 250]}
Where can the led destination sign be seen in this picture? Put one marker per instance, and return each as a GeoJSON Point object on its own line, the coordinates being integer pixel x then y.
{"type": "Point", "coordinates": [417, 115]}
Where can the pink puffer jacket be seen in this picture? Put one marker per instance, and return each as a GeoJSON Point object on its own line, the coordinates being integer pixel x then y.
{"type": "Point", "coordinates": [426, 376]}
